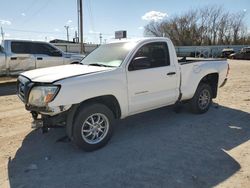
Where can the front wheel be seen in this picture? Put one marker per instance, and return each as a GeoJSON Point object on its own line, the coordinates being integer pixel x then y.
{"type": "Point", "coordinates": [93, 127]}
{"type": "Point", "coordinates": [202, 99]}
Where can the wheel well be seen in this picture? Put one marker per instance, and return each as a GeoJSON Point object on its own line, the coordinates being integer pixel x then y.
{"type": "Point", "coordinates": [212, 80]}
{"type": "Point", "coordinates": [75, 62]}
{"type": "Point", "coordinates": [108, 100]}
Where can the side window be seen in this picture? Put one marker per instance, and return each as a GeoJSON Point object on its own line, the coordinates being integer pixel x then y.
{"type": "Point", "coordinates": [21, 47]}
{"type": "Point", "coordinates": [151, 56]}
{"type": "Point", "coordinates": [42, 48]}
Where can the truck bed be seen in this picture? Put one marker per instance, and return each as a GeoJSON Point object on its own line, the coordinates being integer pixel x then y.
{"type": "Point", "coordinates": [193, 69]}
{"type": "Point", "coordinates": [185, 60]}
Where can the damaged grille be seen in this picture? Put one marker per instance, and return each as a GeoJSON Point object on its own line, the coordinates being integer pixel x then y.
{"type": "Point", "coordinates": [21, 90]}
{"type": "Point", "coordinates": [22, 87]}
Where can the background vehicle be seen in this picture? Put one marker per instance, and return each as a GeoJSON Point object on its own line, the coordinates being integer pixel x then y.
{"type": "Point", "coordinates": [115, 81]}
{"type": "Point", "coordinates": [226, 52]}
{"type": "Point", "coordinates": [17, 56]}
{"type": "Point", "coordinates": [243, 54]}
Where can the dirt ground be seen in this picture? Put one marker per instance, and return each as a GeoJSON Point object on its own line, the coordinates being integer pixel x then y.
{"type": "Point", "coordinates": [153, 149]}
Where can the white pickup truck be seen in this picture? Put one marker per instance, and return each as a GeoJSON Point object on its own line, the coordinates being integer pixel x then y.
{"type": "Point", "coordinates": [19, 55]}
{"type": "Point", "coordinates": [115, 81]}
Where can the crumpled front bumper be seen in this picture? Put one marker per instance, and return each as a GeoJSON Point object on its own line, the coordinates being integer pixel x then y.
{"type": "Point", "coordinates": [47, 110]}
{"type": "Point", "coordinates": [47, 121]}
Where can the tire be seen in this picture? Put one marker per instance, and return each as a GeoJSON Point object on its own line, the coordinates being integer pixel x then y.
{"type": "Point", "coordinates": [93, 127]}
{"type": "Point", "coordinates": [202, 99]}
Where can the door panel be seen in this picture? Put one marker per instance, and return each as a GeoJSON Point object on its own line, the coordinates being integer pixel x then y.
{"type": "Point", "coordinates": [21, 62]}
{"type": "Point", "coordinates": [2, 63]}
{"type": "Point", "coordinates": [21, 58]}
{"type": "Point", "coordinates": [47, 61]}
{"type": "Point", "coordinates": [151, 88]}
{"type": "Point", "coordinates": [152, 79]}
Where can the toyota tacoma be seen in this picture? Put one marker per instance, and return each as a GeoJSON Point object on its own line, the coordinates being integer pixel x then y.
{"type": "Point", "coordinates": [115, 81]}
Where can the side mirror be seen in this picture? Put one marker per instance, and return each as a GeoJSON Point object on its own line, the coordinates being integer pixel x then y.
{"type": "Point", "coordinates": [139, 63]}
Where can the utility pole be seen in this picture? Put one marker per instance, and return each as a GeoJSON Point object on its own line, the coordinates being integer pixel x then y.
{"type": "Point", "coordinates": [81, 25]}
{"type": "Point", "coordinates": [78, 21]}
{"type": "Point", "coordinates": [2, 33]}
{"type": "Point", "coordinates": [76, 37]}
{"type": "Point", "coordinates": [100, 38]}
{"type": "Point", "coordinates": [67, 29]}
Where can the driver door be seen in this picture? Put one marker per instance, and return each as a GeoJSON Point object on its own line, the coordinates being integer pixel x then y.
{"type": "Point", "coordinates": [153, 84]}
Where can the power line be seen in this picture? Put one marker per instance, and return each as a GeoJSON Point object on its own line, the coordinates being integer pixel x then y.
{"type": "Point", "coordinates": [31, 6]}
{"type": "Point", "coordinates": [37, 12]}
{"type": "Point", "coordinates": [89, 7]}
{"type": "Point", "coordinates": [60, 33]}
{"type": "Point", "coordinates": [31, 31]}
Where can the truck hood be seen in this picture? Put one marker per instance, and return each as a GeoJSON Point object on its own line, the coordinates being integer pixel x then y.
{"type": "Point", "coordinates": [52, 74]}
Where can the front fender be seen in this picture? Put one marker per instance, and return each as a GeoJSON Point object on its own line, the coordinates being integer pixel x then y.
{"type": "Point", "coordinates": [80, 88]}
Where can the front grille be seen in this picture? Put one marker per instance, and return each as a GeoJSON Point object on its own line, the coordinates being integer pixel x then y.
{"type": "Point", "coordinates": [22, 88]}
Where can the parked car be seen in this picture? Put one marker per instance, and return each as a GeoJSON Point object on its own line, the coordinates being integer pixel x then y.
{"type": "Point", "coordinates": [18, 55]}
{"type": "Point", "coordinates": [243, 54]}
{"type": "Point", "coordinates": [226, 52]}
{"type": "Point", "coordinates": [115, 81]}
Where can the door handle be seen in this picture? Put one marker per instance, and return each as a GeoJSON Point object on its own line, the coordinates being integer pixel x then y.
{"type": "Point", "coordinates": [171, 73]}
{"type": "Point", "coordinates": [39, 58]}
{"type": "Point", "coordinates": [13, 58]}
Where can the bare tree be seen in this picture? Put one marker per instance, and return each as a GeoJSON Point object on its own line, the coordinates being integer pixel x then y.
{"type": "Point", "coordinates": [210, 25]}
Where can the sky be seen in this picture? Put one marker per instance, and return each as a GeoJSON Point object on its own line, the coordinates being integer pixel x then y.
{"type": "Point", "coordinates": [46, 19]}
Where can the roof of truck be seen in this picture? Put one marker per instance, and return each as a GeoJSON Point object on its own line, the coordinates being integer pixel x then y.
{"type": "Point", "coordinates": [137, 39]}
{"type": "Point", "coordinates": [20, 40]}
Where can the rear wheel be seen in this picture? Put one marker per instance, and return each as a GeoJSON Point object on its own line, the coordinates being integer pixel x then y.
{"type": "Point", "coordinates": [93, 127]}
{"type": "Point", "coordinates": [202, 99]}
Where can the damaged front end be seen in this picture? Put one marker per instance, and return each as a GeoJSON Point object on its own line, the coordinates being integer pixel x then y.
{"type": "Point", "coordinates": [36, 97]}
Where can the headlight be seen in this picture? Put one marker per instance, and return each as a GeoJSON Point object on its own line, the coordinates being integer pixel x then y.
{"type": "Point", "coordinates": [41, 95]}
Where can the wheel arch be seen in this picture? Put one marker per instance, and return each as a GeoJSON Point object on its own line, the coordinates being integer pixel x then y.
{"type": "Point", "coordinates": [108, 100]}
{"type": "Point", "coordinates": [212, 80]}
{"type": "Point", "coordinates": [75, 62]}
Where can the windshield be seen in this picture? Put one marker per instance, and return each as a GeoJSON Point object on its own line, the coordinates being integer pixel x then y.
{"type": "Point", "coordinates": [109, 55]}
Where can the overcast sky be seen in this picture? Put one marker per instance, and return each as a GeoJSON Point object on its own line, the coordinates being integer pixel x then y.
{"type": "Point", "coordinates": [45, 19]}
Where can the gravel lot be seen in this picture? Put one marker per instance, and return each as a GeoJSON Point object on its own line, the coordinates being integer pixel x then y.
{"type": "Point", "coordinates": [154, 149]}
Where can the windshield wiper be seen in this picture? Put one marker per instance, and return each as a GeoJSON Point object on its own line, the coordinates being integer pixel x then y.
{"type": "Point", "coordinates": [99, 65]}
